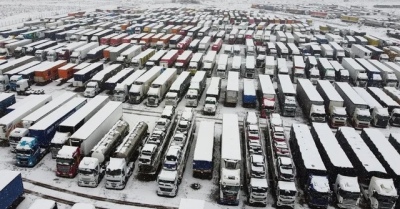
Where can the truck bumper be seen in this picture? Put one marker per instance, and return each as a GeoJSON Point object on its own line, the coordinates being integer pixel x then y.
{"type": "Point", "coordinates": [87, 184]}
{"type": "Point", "coordinates": [202, 174]}
{"type": "Point", "coordinates": [114, 185]}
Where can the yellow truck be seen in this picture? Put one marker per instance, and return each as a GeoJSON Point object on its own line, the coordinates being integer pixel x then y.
{"type": "Point", "coordinates": [372, 40]}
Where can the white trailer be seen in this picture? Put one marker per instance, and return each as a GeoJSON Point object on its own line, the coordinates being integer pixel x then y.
{"type": "Point", "coordinates": [140, 86]}
{"type": "Point", "coordinates": [358, 51]}
{"type": "Point", "coordinates": [282, 66]}
{"type": "Point", "coordinates": [10, 48]}
{"type": "Point", "coordinates": [115, 52]}
{"type": "Point", "coordinates": [126, 56]}
{"type": "Point", "coordinates": [154, 60]}
{"type": "Point", "coordinates": [160, 87]}
{"type": "Point", "coordinates": [388, 76]}
{"type": "Point", "coordinates": [204, 44]}
{"type": "Point", "coordinates": [338, 51]}
{"type": "Point", "coordinates": [333, 103]}
{"type": "Point", "coordinates": [237, 64]}
{"type": "Point", "coordinates": [327, 51]}
{"type": "Point", "coordinates": [209, 62]}
{"type": "Point", "coordinates": [25, 107]}
{"type": "Point", "coordinates": [79, 54]}
{"type": "Point", "coordinates": [212, 96]}
{"type": "Point", "coordinates": [121, 90]}
{"type": "Point", "coordinates": [250, 67]}
{"type": "Point", "coordinates": [178, 89]}
{"type": "Point", "coordinates": [232, 89]}
{"type": "Point", "coordinates": [358, 76]}
{"type": "Point", "coordinates": [112, 82]}
{"type": "Point", "coordinates": [280, 36]}
{"type": "Point", "coordinates": [88, 135]}
{"type": "Point", "coordinates": [195, 63]}
{"type": "Point", "coordinates": [203, 163]}
{"type": "Point", "coordinates": [196, 88]}
{"type": "Point", "coordinates": [222, 65]}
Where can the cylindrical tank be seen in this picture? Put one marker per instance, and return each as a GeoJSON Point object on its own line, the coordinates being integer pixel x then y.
{"type": "Point", "coordinates": [131, 142]}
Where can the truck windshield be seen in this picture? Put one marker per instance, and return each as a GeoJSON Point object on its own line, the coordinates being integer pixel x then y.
{"type": "Point", "coordinates": [383, 117]}
{"type": "Point", "coordinates": [64, 161]}
{"type": "Point", "coordinates": [188, 96]}
{"type": "Point", "coordinates": [55, 145]}
{"type": "Point", "coordinates": [385, 198]}
{"type": "Point", "coordinates": [87, 172]}
{"type": "Point", "coordinates": [364, 118]}
{"type": "Point", "coordinates": [259, 190]}
{"type": "Point", "coordinates": [24, 151]}
{"type": "Point", "coordinates": [14, 138]}
{"type": "Point", "coordinates": [233, 189]}
{"type": "Point", "coordinates": [349, 195]}
{"type": "Point", "coordinates": [287, 192]}
{"type": "Point", "coordinates": [116, 172]}
{"type": "Point", "coordinates": [134, 94]}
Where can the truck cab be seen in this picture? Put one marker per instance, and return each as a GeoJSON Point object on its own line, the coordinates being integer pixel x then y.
{"type": "Point", "coordinates": [120, 92]}
{"type": "Point", "coordinates": [117, 173]}
{"type": "Point", "coordinates": [285, 168]}
{"type": "Point", "coordinates": [210, 106]}
{"type": "Point", "coordinates": [67, 161]}
{"type": "Point", "coordinates": [395, 117]}
{"type": "Point", "coordinates": [346, 191]}
{"type": "Point", "coordinates": [154, 97]}
{"type": "Point", "coordinates": [58, 141]}
{"type": "Point", "coordinates": [13, 81]}
{"type": "Point", "coordinates": [286, 193]}
{"type": "Point", "coordinates": [337, 116]}
{"type": "Point", "coordinates": [171, 98]}
{"type": "Point", "coordinates": [4, 83]}
{"type": "Point", "coordinates": [92, 89]}
{"type": "Point", "coordinates": [28, 152]}
{"type": "Point", "coordinates": [318, 191]}
{"type": "Point", "coordinates": [380, 193]}
{"type": "Point", "coordinates": [361, 118]}
{"type": "Point", "coordinates": [192, 96]}
{"type": "Point", "coordinates": [167, 182]}
{"type": "Point", "coordinates": [172, 158]}
{"type": "Point", "coordinates": [90, 172]}
{"type": "Point", "coordinates": [16, 136]}
{"type": "Point", "coordinates": [317, 113]}
{"type": "Point", "coordinates": [380, 117]}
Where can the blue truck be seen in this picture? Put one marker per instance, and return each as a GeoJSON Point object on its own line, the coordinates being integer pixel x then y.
{"type": "Point", "coordinates": [249, 93]}
{"type": "Point", "coordinates": [96, 53]}
{"type": "Point", "coordinates": [203, 164]}
{"type": "Point", "coordinates": [30, 150]}
{"type": "Point", "coordinates": [321, 39]}
{"type": "Point", "coordinates": [84, 75]}
{"type": "Point", "coordinates": [11, 189]}
{"type": "Point", "coordinates": [6, 100]}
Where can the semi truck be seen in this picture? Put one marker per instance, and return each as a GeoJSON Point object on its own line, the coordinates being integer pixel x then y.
{"type": "Point", "coordinates": [266, 94]}
{"type": "Point", "coordinates": [203, 162]}
{"type": "Point", "coordinates": [127, 55]}
{"type": "Point", "coordinates": [357, 109]}
{"type": "Point", "coordinates": [342, 175]}
{"type": "Point", "coordinates": [178, 89]}
{"type": "Point", "coordinates": [333, 103]}
{"type": "Point", "coordinates": [13, 74]}
{"type": "Point", "coordinates": [112, 82]}
{"type": "Point", "coordinates": [80, 54]}
{"type": "Point", "coordinates": [40, 49]}
{"type": "Point", "coordinates": [286, 96]}
{"type": "Point", "coordinates": [121, 90]}
{"type": "Point", "coordinates": [310, 101]}
{"type": "Point", "coordinates": [311, 172]}
{"type": "Point", "coordinates": [358, 76]}
{"type": "Point", "coordinates": [395, 95]}
{"type": "Point", "coordinates": [122, 161]}
{"type": "Point", "coordinates": [70, 125]}
{"type": "Point", "coordinates": [249, 98]}
{"type": "Point", "coordinates": [115, 52]}
{"type": "Point", "coordinates": [48, 72]}
{"type": "Point", "coordinates": [65, 52]}
{"type": "Point", "coordinates": [182, 62]}
{"type": "Point", "coordinates": [155, 59]}
{"type": "Point", "coordinates": [385, 100]}
{"type": "Point", "coordinates": [139, 61]}
{"type": "Point", "coordinates": [388, 76]}
{"type": "Point", "coordinates": [371, 174]}
{"type": "Point", "coordinates": [209, 62]}
{"type": "Point", "coordinates": [12, 189]}
{"type": "Point", "coordinates": [10, 121]}
{"type": "Point", "coordinates": [96, 53]}
{"type": "Point", "coordinates": [212, 96]}
{"type": "Point", "coordinates": [160, 87]}
{"type": "Point", "coordinates": [196, 88]}
{"type": "Point", "coordinates": [30, 150]}
{"type": "Point", "coordinates": [326, 71]}
{"type": "Point", "coordinates": [97, 83]}
{"type": "Point", "coordinates": [83, 76]}
{"type": "Point", "coordinates": [15, 63]}
{"type": "Point", "coordinates": [6, 100]}
{"type": "Point", "coordinates": [374, 75]}
{"type": "Point", "coordinates": [140, 86]}
{"type": "Point", "coordinates": [169, 58]}
{"type": "Point", "coordinates": [8, 50]}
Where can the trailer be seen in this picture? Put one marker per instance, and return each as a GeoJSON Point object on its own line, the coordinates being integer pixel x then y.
{"type": "Point", "coordinates": [65, 52]}
{"type": "Point", "coordinates": [99, 35]}
{"type": "Point", "coordinates": [388, 76]}
{"type": "Point", "coordinates": [50, 54]}
{"type": "Point", "coordinates": [209, 61]}
{"type": "Point", "coordinates": [358, 76]}
{"type": "Point", "coordinates": [127, 55]}
{"type": "Point", "coordinates": [15, 63]}
{"type": "Point", "coordinates": [374, 75]}
{"type": "Point", "coordinates": [169, 58]}
{"type": "Point", "coordinates": [40, 49]}
{"type": "Point", "coordinates": [196, 88]}
{"type": "Point", "coordinates": [341, 170]}
{"type": "Point", "coordinates": [160, 86]}
{"type": "Point", "coordinates": [178, 89]}
{"type": "Point", "coordinates": [115, 52]}
{"type": "Point", "coordinates": [232, 89]}
{"type": "Point", "coordinates": [49, 72]}
{"type": "Point", "coordinates": [96, 53]}
{"type": "Point", "coordinates": [286, 96]}
{"type": "Point", "coordinates": [11, 189]}
{"type": "Point", "coordinates": [371, 174]}
{"type": "Point", "coordinates": [9, 49]}
{"type": "Point", "coordinates": [97, 83]}
{"type": "Point", "coordinates": [310, 101]}
{"type": "Point", "coordinates": [140, 87]}
{"type": "Point", "coordinates": [106, 39]}
{"type": "Point", "coordinates": [385, 100]}
{"type": "Point", "coordinates": [163, 42]}
{"type": "Point", "coordinates": [311, 171]}
{"type": "Point", "coordinates": [139, 61]}
{"type": "Point", "coordinates": [84, 75]}
{"type": "Point", "coordinates": [66, 72]}
{"type": "Point", "coordinates": [249, 94]}
{"type": "Point", "coordinates": [121, 90]}
{"type": "Point", "coordinates": [80, 54]}
{"type": "Point", "coordinates": [182, 62]}
{"type": "Point", "coordinates": [203, 163]}
{"type": "Point", "coordinates": [13, 74]}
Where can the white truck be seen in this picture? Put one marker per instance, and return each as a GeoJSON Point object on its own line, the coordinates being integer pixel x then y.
{"type": "Point", "coordinates": [160, 87]}
{"type": "Point", "coordinates": [209, 62]}
{"type": "Point", "coordinates": [140, 86]}
{"type": "Point", "coordinates": [115, 52]}
{"type": "Point", "coordinates": [97, 83]}
{"type": "Point", "coordinates": [121, 90]}
{"type": "Point", "coordinates": [298, 70]}
{"type": "Point", "coordinates": [80, 54]}
{"type": "Point", "coordinates": [122, 162]}
{"type": "Point", "coordinates": [139, 61]}
{"type": "Point", "coordinates": [196, 88]}
{"type": "Point", "coordinates": [270, 66]}
{"type": "Point", "coordinates": [232, 89]}
{"type": "Point", "coordinates": [222, 65]}
{"type": "Point", "coordinates": [359, 51]}
{"type": "Point", "coordinates": [310, 100]}
{"type": "Point", "coordinates": [327, 51]}
{"type": "Point", "coordinates": [388, 76]}
{"type": "Point", "coordinates": [204, 44]}
{"type": "Point", "coordinates": [212, 96]}
{"type": "Point", "coordinates": [195, 63]}
{"type": "Point", "coordinates": [126, 56]}
{"type": "Point", "coordinates": [358, 76]}
{"type": "Point", "coordinates": [178, 89]}
{"type": "Point", "coordinates": [250, 67]}
{"type": "Point", "coordinates": [237, 64]}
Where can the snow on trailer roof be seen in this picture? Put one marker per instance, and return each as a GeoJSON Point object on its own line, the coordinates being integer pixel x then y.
{"type": "Point", "coordinates": [309, 89]}
{"type": "Point", "coordinates": [367, 97]}
{"type": "Point", "coordinates": [176, 85]}
{"type": "Point", "coordinates": [199, 76]}
{"type": "Point", "coordinates": [329, 90]}
{"type": "Point", "coordinates": [119, 48]}
{"type": "Point", "coordinates": [6, 177]}
{"type": "Point", "coordinates": [4, 96]}
{"type": "Point", "coordinates": [233, 81]}
{"type": "Point", "coordinates": [88, 68]}
{"type": "Point", "coordinates": [73, 45]}
{"type": "Point", "coordinates": [150, 73]}
{"type": "Point", "coordinates": [50, 65]}
{"type": "Point", "coordinates": [383, 96]}
{"type": "Point", "coordinates": [250, 61]}
{"type": "Point", "coordinates": [185, 55]}
{"type": "Point", "coordinates": [367, 65]}
{"type": "Point", "coordinates": [349, 91]}
{"type": "Point", "coordinates": [248, 87]}
{"type": "Point", "coordinates": [169, 54]}
{"type": "Point", "coordinates": [381, 66]}
{"type": "Point", "coordinates": [50, 107]}
{"type": "Point", "coordinates": [99, 48]}
{"type": "Point", "coordinates": [100, 75]}
{"type": "Point", "coordinates": [213, 89]}
{"type": "Point", "coordinates": [119, 75]}
{"type": "Point", "coordinates": [56, 115]}
{"type": "Point", "coordinates": [298, 62]}
{"type": "Point", "coordinates": [33, 68]}
{"type": "Point", "coordinates": [93, 123]}
{"type": "Point", "coordinates": [131, 49]}
{"type": "Point", "coordinates": [160, 80]}
{"type": "Point", "coordinates": [336, 65]}
{"type": "Point", "coordinates": [66, 152]}
{"type": "Point", "coordinates": [385, 149]}
{"type": "Point", "coordinates": [286, 84]}
{"type": "Point", "coordinates": [158, 55]}
{"type": "Point", "coordinates": [332, 147]}
{"type": "Point", "coordinates": [393, 66]}
{"type": "Point", "coordinates": [67, 66]}
{"type": "Point", "coordinates": [133, 77]}
{"type": "Point", "coordinates": [230, 140]}
{"type": "Point", "coordinates": [308, 149]}
{"type": "Point", "coordinates": [364, 154]}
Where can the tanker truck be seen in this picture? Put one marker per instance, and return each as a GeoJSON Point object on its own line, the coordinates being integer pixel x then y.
{"type": "Point", "coordinates": [122, 162]}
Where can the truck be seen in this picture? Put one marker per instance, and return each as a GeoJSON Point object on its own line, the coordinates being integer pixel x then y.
{"type": "Point", "coordinates": [64, 53]}
{"type": "Point", "coordinates": [394, 67]}
{"type": "Point", "coordinates": [88, 36]}
{"type": "Point", "coordinates": [395, 95]}
{"type": "Point", "coordinates": [388, 76]}
{"type": "Point", "coordinates": [67, 71]}
{"type": "Point", "coordinates": [341, 74]}
{"type": "Point", "coordinates": [327, 51]}
{"type": "Point", "coordinates": [384, 99]}
{"type": "Point", "coordinates": [359, 51]}
{"type": "Point", "coordinates": [338, 51]}
{"type": "Point", "coordinates": [342, 175]}
{"type": "Point", "coordinates": [249, 97]}
{"type": "Point", "coordinates": [357, 109]}
{"type": "Point", "coordinates": [310, 101]}
{"type": "Point", "coordinates": [311, 172]}
{"type": "Point", "coordinates": [169, 58]}
{"type": "Point", "coordinates": [372, 175]}
{"type": "Point", "coordinates": [98, 36]}
{"type": "Point", "coordinates": [209, 62]}
{"type": "Point", "coordinates": [40, 49]}
{"type": "Point", "coordinates": [204, 44]}
{"type": "Point", "coordinates": [358, 76]}
{"type": "Point", "coordinates": [374, 75]}
{"type": "Point", "coordinates": [155, 39]}
{"type": "Point", "coordinates": [231, 161]}
{"type": "Point", "coordinates": [27, 49]}
{"type": "Point", "coordinates": [182, 62]}
{"type": "Point", "coordinates": [286, 96]}
{"type": "Point", "coordinates": [379, 114]}
{"type": "Point", "coordinates": [196, 88]}
{"type": "Point", "coordinates": [11, 189]}
{"type": "Point", "coordinates": [150, 157]}
{"type": "Point", "coordinates": [6, 100]}
{"type": "Point", "coordinates": [117, 40]}
{"type": "Point", "coordinates": [174, 159]}
{"type": "Point", "coordinates": [10, 121]}
{"type": "Point", "coordinates": [121, 90]}
{"type": "Point", "coordinates": [196, 63]}
{"type": "Point", "coordinates": [48, 73]}
{"type": "Point", "coordinates": [139, 61]}
{"type": "Point", "coordinates": [163, 43]}
{"type": "Point", "coordinates": [203, 162]}
{"type": "Point", "coordinates": [266, 95]}
{"type": "Point", "coordinates": [8, 50]}
{"type": "Point", "coordinates": [50, 54]}
{"type": "Point", "coordinates": [298, 70]}
{"type": "Point", "coordinates": [15, 63]}
{"type": "Point", "coordinates": [327, 72]}
{"type": "Point", "coordinates": [80, 54]}
{"type": "Point", "coordinates": [97, 83]}
{"type": "Point", "coordinates": [115, 52]}
{"type": "Point", "coordinates": [106, 39]}
{"type": "Point", "coordinates": [84, 75]}
{"type": "Point", "coordinates": [127, 55]}
{"type": "Point", "coordinates": [112, 82]}
{"type": "Point", "coordinates": [140, 87]}
{"type": "Point", "coordinates": [155, 59]}
{"type": "Point", "coordinates": [222, 65]}
{"type": "Point", "coordinates": [178, 89]}
{"type": "Point", "coordinates": [333, 102]}
{"type": "Point", "coordinates": [30, 150]}
{"type": "Point", "coordinates": [123, 159]}
{"type": "Point", "coordinates": [212, 96]}
{"type": "Point", "coordinates": [232, 89]}
{"type": "Point", "coordinates": [160, 86]}
{"type": "Point", "coordinates": [96, 53]}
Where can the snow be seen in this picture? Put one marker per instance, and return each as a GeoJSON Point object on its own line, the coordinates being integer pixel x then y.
{"type": "Point", "coordinates": [367, 97]}
{"type": "Point", "coordinates": [87, 68]}
{"type": "Point", "coordinates": [22, 68]}
{"type": "Point", "coordinates": [389, 102]}
{"type": "Point", "coordinates": [167, 175]}
{"type": "Point", "coordinates": [309, 90]}
{"type": "Point", "coordinates": [381, 66]}
{"type": "Point", "coordinates": [335, 153]}
{"type": "Point", "coordinates": [191, 204]}
{"type": "Point", "coordinates": [100, 75]}
{"type": "Point", "coordinates": [348, 183]}
{"type": "Point", "coordinates": [83, 206]}
{"type": "Point", "coordinates": [364, 154]}
{"type": "Point", "coordinates": [43, 204]}
{"type": "Point", "coordinates": [67, 66]}
{"type": "Point", "coordinates": [248, 87]}
{"type": "Point", "coordinates": [230, 140]}
{"type": "Point", "coordinates": [205, 142]}
{"type": "Point", "coordinates": [233, 81]}
{"type": "Point", "coordinates": [149, 74]}
{"type": "Point", "coordinates": [320, 184]}
{"type": "Point", "coordinates": [367, 65]}
{"type": "Point", "coordinates": [329, 90]}
{"type": "Point", "coordinates": [66, 152]}
{"type": "Point", "coordinates": [286, 85]}
{"type": "Point", "coordinates": [119, 75]}
{"type": "Point", "coordinates": [55, 116]}
{"type": "Point", "coordinates": [386, 186]}
{"type": "Point", "coordinates": [385, 149]}
{"type": "Point", "coordinates": [351, 94]}
{"type": "Point", "coordinates": [261, 183]}
{"type": "Point", "coordinates": [168, 74]}
{"type": "Point", "coordinates": [6, 177]}
{"type": "Point", "coordinates": [287, 185]}
{"type": "Point", "coordinates": [115, 164]}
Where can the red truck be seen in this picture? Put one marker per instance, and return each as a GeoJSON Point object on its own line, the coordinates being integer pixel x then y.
{"type": "Point", "coordinates": [168, 59]}
{"type": "Point", "coordinates": [68, 154]}
{"type": "Point", "coordinates": [184, 44]}
{"type": "Point", "coordinates": [138, 37]}
{"type": "Point", "coordinates": [216, 46]}
{"type": "Point", "coordinates": [128, 39]}
{"type": "Point", "coordinates": [117, 40]}
{"type": "Point", "coordinates": [65, 52]}
{"type": "Point", "coordinates": [183, 60]}
{"type": "Point", "coordinates": [185, 30]}
{"type": "Point", "coordinates": [106, 39]}
{"type": "Point", "coordinates": [318, 14]}
{"type": "Point", "coordinates": [48, 72]}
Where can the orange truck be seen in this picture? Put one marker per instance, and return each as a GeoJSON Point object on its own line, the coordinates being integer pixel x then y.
{"type": "Point", "coordinates": [66, 72]}
{"type": "Point", "coordinates": [176, 29]}
{"type": "Point", "coordinates": [155, 39]}
{"type": "Point", "coordinates": [106, 53]}
{"type": "Point", "coordinates": [48, 72]}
